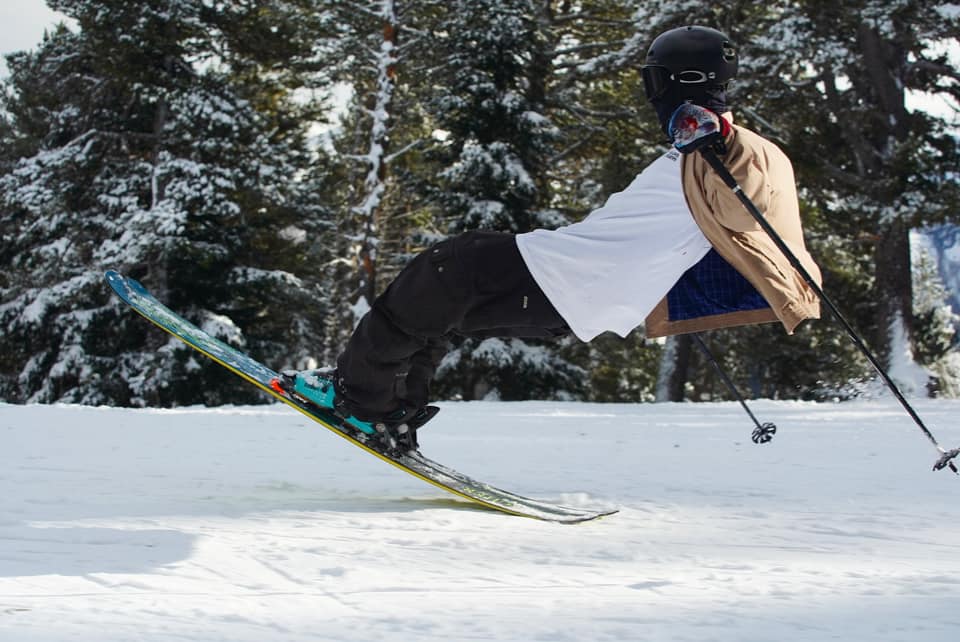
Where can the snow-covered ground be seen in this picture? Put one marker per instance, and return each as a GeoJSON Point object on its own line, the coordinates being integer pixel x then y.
{"type": "Point", "coordinates": [252, 524]}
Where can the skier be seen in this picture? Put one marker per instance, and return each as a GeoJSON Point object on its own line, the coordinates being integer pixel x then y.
{"type": "Point", "coordinates": [675, 249]}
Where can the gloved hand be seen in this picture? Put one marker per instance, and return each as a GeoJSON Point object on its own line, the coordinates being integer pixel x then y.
{"type": "Point", "coordinates": [692, 127]}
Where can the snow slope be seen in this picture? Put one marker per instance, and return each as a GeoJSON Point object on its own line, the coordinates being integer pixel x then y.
{"type": "Point", "coordinates": [250, 524]}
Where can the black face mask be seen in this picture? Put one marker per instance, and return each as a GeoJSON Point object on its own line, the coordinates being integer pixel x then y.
{"type": "Point", "coordinates": [713, 98]}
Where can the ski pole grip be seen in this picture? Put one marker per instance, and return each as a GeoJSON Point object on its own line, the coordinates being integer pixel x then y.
{"type": "Point", "coordinates": [692, 127]}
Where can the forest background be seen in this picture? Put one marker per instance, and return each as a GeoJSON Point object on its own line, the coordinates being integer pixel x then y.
{"type": "Point", "coordinates": [266, 166]}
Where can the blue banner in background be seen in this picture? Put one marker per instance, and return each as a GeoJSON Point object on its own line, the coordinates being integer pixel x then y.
{"type": "Point", "coordinates": [942, 245]}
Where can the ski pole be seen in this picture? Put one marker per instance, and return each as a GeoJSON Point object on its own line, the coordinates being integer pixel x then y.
{"type": "Point", "coordinates": [711, 157]}
{"type": "Point", "coordinates": [763, 432]}
{"type": "Point", "coordinates": [695, 128]}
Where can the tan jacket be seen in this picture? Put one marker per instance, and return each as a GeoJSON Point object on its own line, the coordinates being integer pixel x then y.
{"type": "Point", "coordinates": [765, 174]}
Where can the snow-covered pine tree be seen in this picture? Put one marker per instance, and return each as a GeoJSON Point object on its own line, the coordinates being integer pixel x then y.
{"type": "Point", "coordinates": [513, 72]}
{"type": "Point", "coordinates": [494, 140]}
{"type": "Point", "coordinates": [273, 55]}
{"type": "Point", "coordinates": [829, 83]}
{"type": "Point", "coordinates": [607, 134]}
{"type": "Point", "coordinates": [578, 70]}
{"type": "Point", "coordinates": [147, 145]}
{"type": "Point", "coordinates": [840, 77]}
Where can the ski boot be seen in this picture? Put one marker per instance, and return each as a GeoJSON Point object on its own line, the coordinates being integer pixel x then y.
{"type": "Point", "coordinates": [399, 429]}
{"type": "Point", "coordinates": [395, 434]}
{"type": "Point", "coordinates": [316, 387]}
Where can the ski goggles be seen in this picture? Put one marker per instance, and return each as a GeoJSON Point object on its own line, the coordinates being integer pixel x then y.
{"type": "Point", "coordinates": [657, 80]}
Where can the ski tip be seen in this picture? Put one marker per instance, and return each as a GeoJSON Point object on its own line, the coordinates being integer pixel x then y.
{"type": "Point", "coordinates": [125, 287]}
{"type": "Point", "coordinates": [117, 283]}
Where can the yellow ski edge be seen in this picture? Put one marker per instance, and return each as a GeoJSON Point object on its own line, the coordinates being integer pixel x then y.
{"type": "Point", "coordinates": [395, 464]}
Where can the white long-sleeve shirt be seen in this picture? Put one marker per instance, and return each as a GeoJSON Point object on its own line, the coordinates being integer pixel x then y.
{"type": "Point", "coordinates": [608, 271]}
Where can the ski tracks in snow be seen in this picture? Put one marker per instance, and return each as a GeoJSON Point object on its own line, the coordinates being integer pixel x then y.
{"type": "Point", "coordinates": [251, 524]}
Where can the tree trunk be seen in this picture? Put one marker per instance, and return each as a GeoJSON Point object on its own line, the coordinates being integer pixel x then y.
{"type": "Point", "coordinates": [674, 368]}
{"type": "Point", "coordinates": [894, 284]}
{"type": "Point", "coordinates": [369, 211]}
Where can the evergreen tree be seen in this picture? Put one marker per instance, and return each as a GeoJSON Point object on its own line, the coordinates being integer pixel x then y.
{"type": "Point", "coordinates": [607, 134]}
{"type": "Point", "coordinates": [491, 106]}
{"type": "Point", "coordinates": [828, 84]}
{"type": "Point", "coordinates": [152, 142]}
{"type": "Point", "coordinates": [493, 144]}
{"type": "Point", "coordinates": [875, 167]}
{"type": "Point", "coordinates": [170, 139]}
{"type": "Point", "coordinates": [473, 131]}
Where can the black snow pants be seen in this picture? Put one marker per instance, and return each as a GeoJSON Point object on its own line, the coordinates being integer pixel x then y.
{"type": "Point", "coordinates": [474, 285]}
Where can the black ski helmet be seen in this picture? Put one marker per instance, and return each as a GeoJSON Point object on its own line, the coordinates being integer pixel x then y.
{"type": "Point", "coordinates": [687, 63]}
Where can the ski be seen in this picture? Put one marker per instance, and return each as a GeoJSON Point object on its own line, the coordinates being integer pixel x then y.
{"type": "Point", "coordinates": [414, 463]}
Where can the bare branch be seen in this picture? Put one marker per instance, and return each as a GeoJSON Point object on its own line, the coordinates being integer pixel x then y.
{"type": "Point", "coordinates": [400, 152]}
